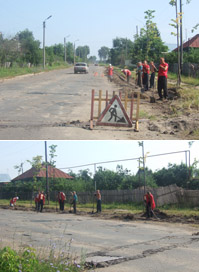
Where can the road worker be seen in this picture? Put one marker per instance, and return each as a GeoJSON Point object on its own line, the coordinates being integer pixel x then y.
{"type": "Point", "coordinates": [99, 201]}
{"type": "Point", "coordinates": [74, 201]}
{"type": "Point", "coordinates": [127, 74]}
{"type": "Point", "coordinates": [139, 74]}
{"type": "Point", "coordinates": [150, 204]}
{"type": "Point", "coordinates": [162, 79]}
{"type": "Point", "coordinates": [61, 199]}
{"type": "Point", "coordinates": [110, 73]}
{"type": "Point", "coordinates": [145, 75]}
{"type": "Point", "coordinates": [13, 201]}
{"type": "Point", "coordinates": [41, 202]}
{"type": "Point", "coordinates": [37, 200]}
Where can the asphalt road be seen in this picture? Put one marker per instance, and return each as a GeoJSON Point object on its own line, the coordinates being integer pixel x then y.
{"type": "Point", "coordinates": [42, 106]}
{"type": "Point", "coordinates": [122, 246]}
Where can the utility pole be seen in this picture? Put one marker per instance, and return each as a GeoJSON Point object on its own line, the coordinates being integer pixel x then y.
{"type": "Point", "coordinates": [47, 184]}
{"type": "Point", "coordinates": [65, 47]}
{"type": "Point", "coordinates": [143, 159]}
{"type": "Point", "coordinates": [144, 166]}
{"type": "Point", "coordinates": [137, 33]}
{"type": "Point", "coordinates": [94, 175]}
{"type": "Point", "coordinates": [74, 52]}
{"type": "Point", "coordinates": [44, 54]}
{"type": "Point", "coordinates": [181, 38]}
{"type": "Point", "coordinates": [178, 46]}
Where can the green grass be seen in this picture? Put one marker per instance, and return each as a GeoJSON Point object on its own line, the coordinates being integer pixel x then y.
{"type": "Point", "coordinates": [184, 79]}
{"type": "Point", "coordinates": [145, 115]}
{"type": "Point", "coordinates": [26, 260]}
{"type": "Point", "coordinates": [130, 207]}
{"type": "Point", "coordinates": [180, 210]}
{"type": "Point", "coordinates": [17, 71]}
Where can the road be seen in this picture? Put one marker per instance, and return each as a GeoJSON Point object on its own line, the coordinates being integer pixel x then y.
{"type": "Point", "coordinates": [122, 246]}
{"type": "Point", "coordinates": [56, 105]}
{"type": "Point", "coordinates": [42, 106]}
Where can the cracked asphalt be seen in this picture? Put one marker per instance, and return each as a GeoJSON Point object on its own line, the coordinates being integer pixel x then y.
{"type": "Point", "coordinates": [36, 106]}
{"type": "Point", "coordinates": [111, 245]}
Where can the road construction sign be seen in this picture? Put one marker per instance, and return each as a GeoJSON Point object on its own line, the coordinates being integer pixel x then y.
{"type": "Point", "coordinates": [114, 115]}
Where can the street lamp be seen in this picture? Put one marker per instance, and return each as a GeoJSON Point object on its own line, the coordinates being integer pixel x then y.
{"type": "Point", "coordinates": [44, 26]}
{"type": "Point", "coordinates": [65, 47]}
{"type": "Point", "coordinates": [74, 51]}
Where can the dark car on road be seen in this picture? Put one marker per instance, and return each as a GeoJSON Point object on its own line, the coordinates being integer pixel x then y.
{"type": "Point", "coordinates": [81, 67]}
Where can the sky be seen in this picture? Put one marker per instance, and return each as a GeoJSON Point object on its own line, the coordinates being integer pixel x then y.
{"type": "Point", "coordinates": [76, 153]}
{"type": "Point", "coordinates": [92, 22]}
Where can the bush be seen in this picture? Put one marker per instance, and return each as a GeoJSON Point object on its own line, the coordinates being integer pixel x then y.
{"type": "Point", "coordinates": [27, 261]}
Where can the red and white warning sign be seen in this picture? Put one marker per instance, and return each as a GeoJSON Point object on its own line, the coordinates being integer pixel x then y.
{"type": "Point", "coordinates": [114, 115]}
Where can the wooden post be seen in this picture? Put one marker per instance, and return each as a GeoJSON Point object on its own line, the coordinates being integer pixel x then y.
{"type": "Point", "coordinates": [106, 98]}
{"type": "Point", "coordinates": [131, 110]}
{"type": "Point", "coordinates": [137, 112]}
{"type": "Point", "coordinates": [100, 103]}
{"type": "Point", "coordinates": [92, 108]}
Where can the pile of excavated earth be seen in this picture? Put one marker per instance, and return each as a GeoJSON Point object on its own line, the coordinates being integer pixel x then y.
{"type": "Point", "coordinates": [118, 214]}
{"type": "Point", "coordinates": [162, 117]}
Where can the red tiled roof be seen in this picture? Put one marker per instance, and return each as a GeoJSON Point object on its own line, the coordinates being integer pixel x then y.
{"type": "Point", "coordinates": [193, 42]}
{"type": "Point", "coordinates": [52, 173]}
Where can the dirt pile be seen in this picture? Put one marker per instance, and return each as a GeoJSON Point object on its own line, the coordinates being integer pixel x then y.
{"type": "Point", "coordinates": [165, 117]}
{"type": "Point", "coordinates": [118, 215]}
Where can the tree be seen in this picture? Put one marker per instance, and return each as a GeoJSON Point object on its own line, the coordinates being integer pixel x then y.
{"type": "Point", "coordinates": [52, 155]}
{"type": "Point", "coordinates": [92, 59]}
{"type": "Point", "coordinates": [37, 165]}
{"type": "Point", "coordinates": [120, 51]}
{"type": "Point", "coordinates": [19, 167]}
{"type": "Point", "coordinates": [175, 174]}
{"type": "Point", "coordinates": [30, 48]}
{"type": "Point", "coordinates": [82, 52]}
{"type": "Point", "coordinates": [148, 45]}
{"type": "Point", "coordinates": [103, 53]}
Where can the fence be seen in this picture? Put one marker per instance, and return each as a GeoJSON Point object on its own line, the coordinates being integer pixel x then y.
{"type": "Point", "coordinates": [163, 195]}
{"type": "Point", "coordinates": [133, 100]}
{"type": "Point", "coordinates": [188, 69]}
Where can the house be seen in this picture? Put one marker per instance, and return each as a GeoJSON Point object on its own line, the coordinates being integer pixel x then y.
{"type": "Point", "coordinates": [4, 178]}
{"type": "Point", "coordinates": [191, 43]}
{"type": "Point", "coordinates": [52, 173]}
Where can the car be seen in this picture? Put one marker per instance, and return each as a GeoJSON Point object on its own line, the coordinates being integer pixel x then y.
{"type": "Point", "coordinates": [81, 67]}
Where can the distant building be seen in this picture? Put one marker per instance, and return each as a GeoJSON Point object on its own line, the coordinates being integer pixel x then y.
{"type": "Point", "coordinates": [4, 178]}
{"type": "Point", "coordinates": [52, 173]}
{"type": "Point", "coordinates": [191, 43]}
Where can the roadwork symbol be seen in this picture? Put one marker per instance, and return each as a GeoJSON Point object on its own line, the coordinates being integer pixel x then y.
{"type": "Point", "coordinates": [114, 115]}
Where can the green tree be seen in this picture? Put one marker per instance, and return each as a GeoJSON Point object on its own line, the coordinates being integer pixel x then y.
{"type": "Point", "coordinates": [37, 164]}
{"type": "Point", "coordinates": [174, 174]}
{"type": "Point", "coordinates": [103, 53]}
{"type": "Point", "coordinates": [148, 45]}
{"type": "Point", "coordinates": [52, 155]}
{"type": "Point", "coordinates": [30, 48]}
{"type": "Point", "coordinates": [120, 51]}
{"type": "Point", "coordinates": [82, 52]}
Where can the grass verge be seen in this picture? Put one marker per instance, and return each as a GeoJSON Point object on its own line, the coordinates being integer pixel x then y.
{"type": "Point", "coordinates": [16, 71]}
{"type": "Point", "coordinates": [130, 207]}
{"type": "Point", "coordinates": [26, 260]}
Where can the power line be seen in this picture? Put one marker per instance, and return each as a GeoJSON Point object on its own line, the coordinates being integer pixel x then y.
{"type": "Point", "coordinates": [131, 159]}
